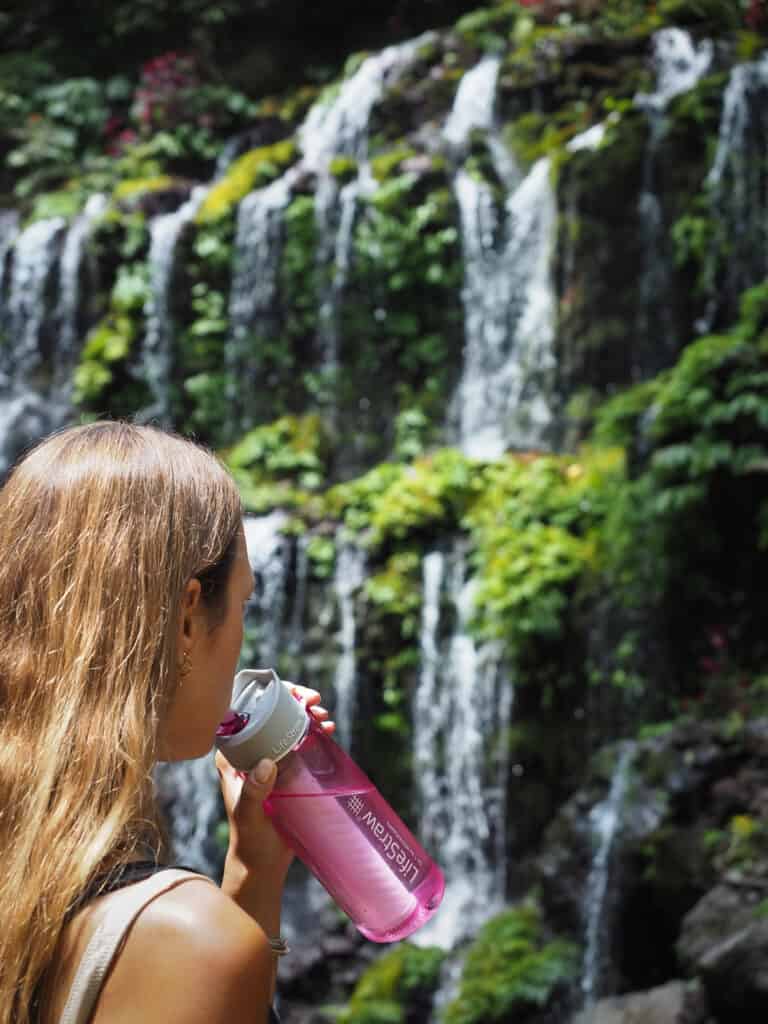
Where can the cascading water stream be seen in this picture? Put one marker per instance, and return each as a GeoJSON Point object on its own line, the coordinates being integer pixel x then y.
{"type": "Point", "coordinates": [70, 269]}
{"type": "Point", "coordinates": [463, 700]}
{"type": "Point", "coordinates": [736, 185]}
{"type": "Point", "coordinates": [165, 232]}
{"type": "Point", "coordinates": [269, 555]}
{"type": "Point", "coordinates": [25, 413]}
{"type": "Point", "coordinates": [605, 822]}
{"type": "Point", "coordinates": [35, 257]}
{"type": "Point", "coordinates": [347, 581]}
{"type": "Point", "coordinates": [504, 395]}
{"type": "Point", "coordinates": [679, 64]}
{"type": "Point", "coordinates": [9, 231]}
{"type": "Point", "coordinates": [296, 628]}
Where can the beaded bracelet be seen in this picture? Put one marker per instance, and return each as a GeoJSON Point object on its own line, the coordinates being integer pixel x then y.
{"type": "Point", "coordinates": [279, 946]}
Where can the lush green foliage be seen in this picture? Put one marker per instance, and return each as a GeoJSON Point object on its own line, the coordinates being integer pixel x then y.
{"type": "Point", "coordinates": [511, 968]}
{"type": "Point", "coordinates": [276, 464]}
{"type": "Point", "coordinates": [107, 377]}
{"type": "Point", "coordinates": [386, 989]}
{"type": "Point", "coordinates": [534, 528]}
{"type": "Point", "coordinates": [250, 171]}
{"type": "Point", "coordinates": [401, 309]}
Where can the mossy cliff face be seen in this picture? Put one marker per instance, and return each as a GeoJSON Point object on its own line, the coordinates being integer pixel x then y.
{"type": "Point", "coordinates": [617, 576]}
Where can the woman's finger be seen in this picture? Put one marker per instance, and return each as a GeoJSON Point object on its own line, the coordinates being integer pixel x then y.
{"type": "Point", "coordinates": [311, 700]}
{"type": "Point", "coordinates": [304, 693]}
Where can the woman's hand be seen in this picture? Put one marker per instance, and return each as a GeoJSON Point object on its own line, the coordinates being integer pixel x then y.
{"type": "Point", "coordinates": [258, 858]}
{"type": "Point", "coordinates": [311, 699]}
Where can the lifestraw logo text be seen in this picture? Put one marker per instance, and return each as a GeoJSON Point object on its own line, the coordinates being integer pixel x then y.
{"type": "Point", "coordinates": [388, 839]}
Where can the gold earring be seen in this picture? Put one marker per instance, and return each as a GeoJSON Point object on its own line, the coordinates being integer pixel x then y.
{"type": "Point", "coordinates": [186, 665]}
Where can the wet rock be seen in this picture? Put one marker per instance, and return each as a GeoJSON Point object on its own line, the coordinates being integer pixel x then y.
{"type": "Point", "coordinates": [724, 940]}
{"type": "Point", "coordinates": [155, 201]}
{"type": "Point", "coordinates": [677, 1002]}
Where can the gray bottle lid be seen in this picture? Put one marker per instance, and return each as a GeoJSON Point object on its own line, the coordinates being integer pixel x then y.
{"type": "Point", "coordinates": [276, 721]}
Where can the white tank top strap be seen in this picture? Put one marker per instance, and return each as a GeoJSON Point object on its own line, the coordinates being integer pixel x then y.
{"type": "Point", "coordinates": [125, 905]}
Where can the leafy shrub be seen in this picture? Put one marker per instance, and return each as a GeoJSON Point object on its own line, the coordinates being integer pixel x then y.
{"type": "Point", "coordinates": [511, 969]}
{"type": "Point", "coordinates": [383, 994]}
{"type": "Point", "coordinates": [534, 527]}
{"type": "Point", "coordinates": [276, 464]}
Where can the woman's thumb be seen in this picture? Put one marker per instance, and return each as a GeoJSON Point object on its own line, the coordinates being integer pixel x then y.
{"type": "Point", "coordinates": [260, 780]}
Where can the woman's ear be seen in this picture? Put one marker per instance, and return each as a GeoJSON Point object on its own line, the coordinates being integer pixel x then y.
{"type": "Point", "coordinates": [190, 618]}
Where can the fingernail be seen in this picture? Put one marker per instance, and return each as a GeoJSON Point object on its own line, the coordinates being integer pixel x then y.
{"type": "Point", "coordinates": [262, 771]}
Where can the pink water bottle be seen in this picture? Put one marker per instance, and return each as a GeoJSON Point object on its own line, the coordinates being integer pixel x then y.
{"type": "Point", "coordinates": [330, 813]}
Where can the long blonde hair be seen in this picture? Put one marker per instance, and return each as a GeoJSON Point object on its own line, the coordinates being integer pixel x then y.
{"type": "Point", "coordinates": [101, 527]}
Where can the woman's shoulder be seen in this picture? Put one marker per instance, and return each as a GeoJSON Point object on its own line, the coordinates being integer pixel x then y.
{"type": "Point", "coordinates": [191, 955]}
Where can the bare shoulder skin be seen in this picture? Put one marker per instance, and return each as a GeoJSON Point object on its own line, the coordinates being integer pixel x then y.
{"type": "Point", "coordinates": [191, 957]}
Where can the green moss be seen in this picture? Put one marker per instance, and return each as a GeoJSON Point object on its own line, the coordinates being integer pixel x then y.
{"type": "Point", "coordinates": [252, 170]}
{"type": "Point", "coordinates": [131, 187]}
{"type": "Point", "coordinates": [534, 135]}
{"type": "Point", "coordinates": [511, 969]}
{"type": "Point", "coordinates": [489, 28]}
{"type": "Point", "coordinates": [343, 167]}
{"type": "Point", "coordinates": [385, 164]}
{"type": "Point", "coordinates": [389, 987]}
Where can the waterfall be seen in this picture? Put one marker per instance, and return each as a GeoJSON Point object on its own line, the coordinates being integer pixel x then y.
{"type": "Point", "coordinates": [463, 700]}
{"type": "Point", "coordinates": [25, 414]}
{"type": "Point", "coordinates": [253, 309]}
{"type": "Point", "coordinates": [269, 555]}
{"type": "Point", "coordinates": [590, 139]}
{"type": "Point", "coordinates": [605, 821]}
{"type": "Point", "coordinates": [737, 191]}
{"type": "Point", "coordinates": [188, 792]}
{"type": "Point", "coordinates": [165, 232]}
{"type": "Point", "coordinates": [69, 291]}
{"type": "Point", "coordinates": [509, 309]}
{"type": "Point", "coordinates": [474, 102]}
{"type": "Point", "coordinates": [339, 127]}
{"type": "Point", "coordinates": [35, 256]}
{"type": "Point", "coordinates": [503, 397]}
{"type": "Point", "coordinates": [9, 230]}
{"type": "Point", "coordinates": [347, 581]}
{"type": "Point", "coordinates": [296, 630]}
{"type": "Point", "coordinates": [679, 65]}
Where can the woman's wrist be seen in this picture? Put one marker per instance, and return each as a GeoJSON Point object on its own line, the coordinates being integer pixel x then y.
{"type": "Point", "coordinates": [258, 892]}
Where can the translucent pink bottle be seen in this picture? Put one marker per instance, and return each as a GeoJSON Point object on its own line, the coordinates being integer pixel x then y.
{"type": "Point", "coordinates": [330, 812]}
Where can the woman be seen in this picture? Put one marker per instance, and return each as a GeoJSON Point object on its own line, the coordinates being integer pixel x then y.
{"type": "Point", "coordinates": [123, 579]}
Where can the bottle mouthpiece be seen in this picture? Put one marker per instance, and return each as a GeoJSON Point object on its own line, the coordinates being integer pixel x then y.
{"type": "Point", "coordinates": [265, 720]}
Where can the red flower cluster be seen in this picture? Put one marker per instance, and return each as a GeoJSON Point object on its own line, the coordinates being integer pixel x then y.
{"type": "Point", "coordinates": [757, 15]}
{"type": "Point", "coordinates": [118, 136]}
{"type": "Point", "coordinates": [158, 100]}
